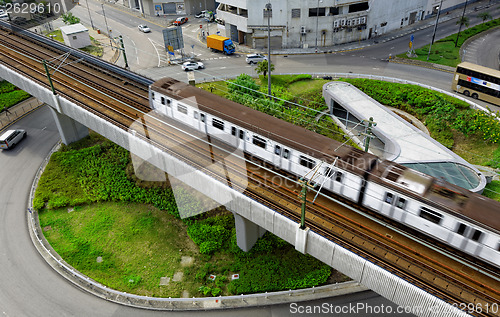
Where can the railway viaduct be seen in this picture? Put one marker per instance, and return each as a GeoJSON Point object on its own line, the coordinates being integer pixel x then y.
{"type": "Point", "coordinates": [252, 218]}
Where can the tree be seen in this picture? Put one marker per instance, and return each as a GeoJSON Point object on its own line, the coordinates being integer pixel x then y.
{"type": "Point", "coordinates": [485, 16]}
{"type": "Point", "coordinates": [463, 20]}
{"type": "Point", "coordinates": [69, 18]}
{"type": "Point", "coordinates": [262, 67]}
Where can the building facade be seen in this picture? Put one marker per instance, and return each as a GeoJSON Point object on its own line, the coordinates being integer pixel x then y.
{"type": "Point", "coordinates": [320, 23]}
{"type": "Point", "coordinates": [170, 7]}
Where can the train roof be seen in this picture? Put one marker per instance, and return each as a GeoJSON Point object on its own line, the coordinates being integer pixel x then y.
{"type": "Point", "coordinates": [462, 203]}
{"type": "Point", "coordinates": [290, 135]}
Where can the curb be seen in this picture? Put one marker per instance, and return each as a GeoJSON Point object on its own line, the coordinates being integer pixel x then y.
{"type": "Point", "coordinates": [167, 304]}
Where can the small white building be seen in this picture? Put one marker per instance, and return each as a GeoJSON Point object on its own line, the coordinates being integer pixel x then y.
{"type": "Point", "coordinates": [76, 35]}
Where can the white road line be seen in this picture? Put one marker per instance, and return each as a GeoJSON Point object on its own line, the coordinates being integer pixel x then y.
{"type": "Point", "coordinates": [157, 53]}
{"type": "Point", "coordinates": [135, 48]}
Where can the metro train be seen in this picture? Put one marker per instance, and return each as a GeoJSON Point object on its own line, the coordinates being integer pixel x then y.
{"type": "Point", "coordinates": [457, 217]}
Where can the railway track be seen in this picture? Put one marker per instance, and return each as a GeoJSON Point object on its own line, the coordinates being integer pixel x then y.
{"type": "Point", "coordinates": [415, 266]}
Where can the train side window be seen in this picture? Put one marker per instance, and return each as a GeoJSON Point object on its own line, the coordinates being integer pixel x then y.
{"type": "Point", "coordinates": [498, 248]}
{"type": "Point", "coordinates": [202, 117]}
{"type": "Point", "coordinates": [307, 162]}
{"type": "Point", "coordinates": [168, 102]}
{"type": "Point", "coordinates": [430, 215]}
{"type": "Point", "coordinates": [277, 150]}
{"type": "Point", "coordinates": [153, 95]}
{"type": "Point", "coordinates": [182, 109]}
{"type": "Point", "coordinates": [195, 114]}
{"type": "Point", "coordinates": [218, 124]}
{"type": "Point", "coordinates": [286, 153]}
{"type": "Point", "coordinates": [461, 229]}
{"type": "Point", "coordinates": [233, 130]}
{"type": "Point", "coordinates": [476, 235]}
{"type": "Point", "coordinates": [328, 172]}
{"type": "Point", "coordinates": [339, 177]}
{"type": "Point", "coordinates": [260, 142]}
{"type": "Point", "coordinates": [162, 100]}
{"type": "Point", "coordinates": [242, 134]}
{"type": "Point", "coordinates": [401, 203]}
{"type": "Point", "coordinates": [389, 198]}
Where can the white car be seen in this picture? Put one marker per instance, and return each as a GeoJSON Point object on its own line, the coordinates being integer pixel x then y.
{"type": "Point", "coordinates": [255, 58]}
{"type": "Point", "coordinates": [192, 66]}
{"type": "Point", "coordinates": [144, 28]}
{"type": "Point", "coordinates": [11, 138]}
{"type": "Point", "coordinates": [201, 14]}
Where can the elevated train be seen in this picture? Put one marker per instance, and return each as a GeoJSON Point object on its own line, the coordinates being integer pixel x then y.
{"type": "Point", "coordinates": [459, 218]}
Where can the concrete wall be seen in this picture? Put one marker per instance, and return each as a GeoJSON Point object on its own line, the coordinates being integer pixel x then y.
{"type": "Point", "coordinates": [77, 40]}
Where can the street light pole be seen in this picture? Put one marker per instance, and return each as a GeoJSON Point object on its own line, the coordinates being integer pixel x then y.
{"type": "Point", "coordinates": [317, 22]}
{"type": "Point", "coordinates": [90, 17]}
{"type": "Point", "coordinates": [107, 28]}
{"type": "Point", "coordinates": [435, 28]}
{"type": "Point", "coordinates": [269, 10]}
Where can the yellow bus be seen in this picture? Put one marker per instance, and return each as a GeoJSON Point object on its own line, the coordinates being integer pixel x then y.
{"type": "Point", "coordinates": [477, 81]}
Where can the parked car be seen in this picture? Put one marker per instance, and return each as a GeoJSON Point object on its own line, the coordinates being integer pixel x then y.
{"type": "Point", "coordinates": [192, 66]}
{"type": "Point", "coordinates": [11, 138]}
{"type": "Point", "coordinates": [201, 14]}
{"type": "Point", "coordinates": [255, 58]}
{"type": "Point", "coordinates": [144, 28]}
{"type": "Point", "coordinates": [180, 21]}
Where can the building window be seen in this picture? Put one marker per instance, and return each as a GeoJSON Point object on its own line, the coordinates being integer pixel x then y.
{"type": "Point", "coordinates": [389, 198]}
{"type": "Point", "coordinates": [260, 142]}
{"type": "Point", "coordinates": [476, 235]}
{"type": "Point", "coordinates": [307, 162]}
{"type": "Point", "coordinates": [430, 215]}
{"type": "Point", "coordinates": [74, 37]}
{"type": "Point", "coordinates": [334, 11]}
{"type": "Point", "coordinates": [461, 229]}
{"type": "Point", "coordinates": [362, 6]}
{"type": "Point", "coordinates": [218, 124]}
{"type": "Point", "coordinates": [182, 109]}
{"type": "Point", "coordinates": [317, 12]}
{"type": "Point", "coordinates": [295, 13]}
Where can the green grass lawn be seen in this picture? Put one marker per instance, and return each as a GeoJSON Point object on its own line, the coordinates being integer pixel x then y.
{"type": "Point", "coordinates": [444, 51]}
{"type": "Point", "coordinates": [10, 95]}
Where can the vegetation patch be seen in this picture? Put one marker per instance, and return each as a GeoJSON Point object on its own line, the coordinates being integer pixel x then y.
{"type": "Point", "coordinates": [94, 216]}
{"type": "Point", "coordinates": [10, 95]}
{"type": "Point", "coordinates": [444, 51]}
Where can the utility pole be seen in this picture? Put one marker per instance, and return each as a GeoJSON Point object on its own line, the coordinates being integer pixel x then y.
{"type": "Point", "coordinates": [368, 135]}
{"type": "Point", "coordinates": [269, 12]}
{"type": "Point", "coordinates": [435, 28]}
{"type": "Point", "coordinates": [303, 196]}
{"type": "Point", "coordinates": [48, 76]}
{"type": "Point", "coordinates": [123, 50]}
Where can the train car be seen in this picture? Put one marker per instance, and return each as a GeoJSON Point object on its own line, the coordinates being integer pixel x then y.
{"type": "Point", "coordinates": [453, 215]}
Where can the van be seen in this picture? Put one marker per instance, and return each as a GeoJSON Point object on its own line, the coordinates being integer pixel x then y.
{"type": "Point", "coordinates": [255, 58]}
{"type": "Point", "coordinates": [11, 138]}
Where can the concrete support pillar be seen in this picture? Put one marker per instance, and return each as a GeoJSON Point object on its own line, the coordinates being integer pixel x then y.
{"type": "Point", "coordinates": [247, 232]}
{"type": "Point", "coordinates": [69, 129]}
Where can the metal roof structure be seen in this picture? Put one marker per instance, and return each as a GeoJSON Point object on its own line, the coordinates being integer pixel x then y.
{"type": "Point", "coordinates": [396, 139]}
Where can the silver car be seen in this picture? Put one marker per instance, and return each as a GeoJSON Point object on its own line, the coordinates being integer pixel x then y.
{"type": "Point", "coordinates": [255, 58]}
{"type": "Point", "coordinates": [11, 138]}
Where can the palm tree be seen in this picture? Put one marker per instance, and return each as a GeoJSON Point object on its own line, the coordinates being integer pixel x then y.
{"type": "Point", "coordinates": [485, 16]}
{"type": "Point", "coordinates": [262, 67]}
{"type": "Point", "coordinates": [462, 21]}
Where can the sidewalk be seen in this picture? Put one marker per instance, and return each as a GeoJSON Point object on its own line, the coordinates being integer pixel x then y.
{"type": "Point", "coordinates": [16, 112]}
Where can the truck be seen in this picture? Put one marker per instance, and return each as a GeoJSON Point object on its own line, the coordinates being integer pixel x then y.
{"type": "Point", "coordinates": [220, 43]}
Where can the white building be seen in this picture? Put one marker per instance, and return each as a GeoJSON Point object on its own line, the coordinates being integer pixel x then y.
{"type": "Point", "coordinates": [75, 35]}
{"type": "Point", "coordinates": [319, 23]}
